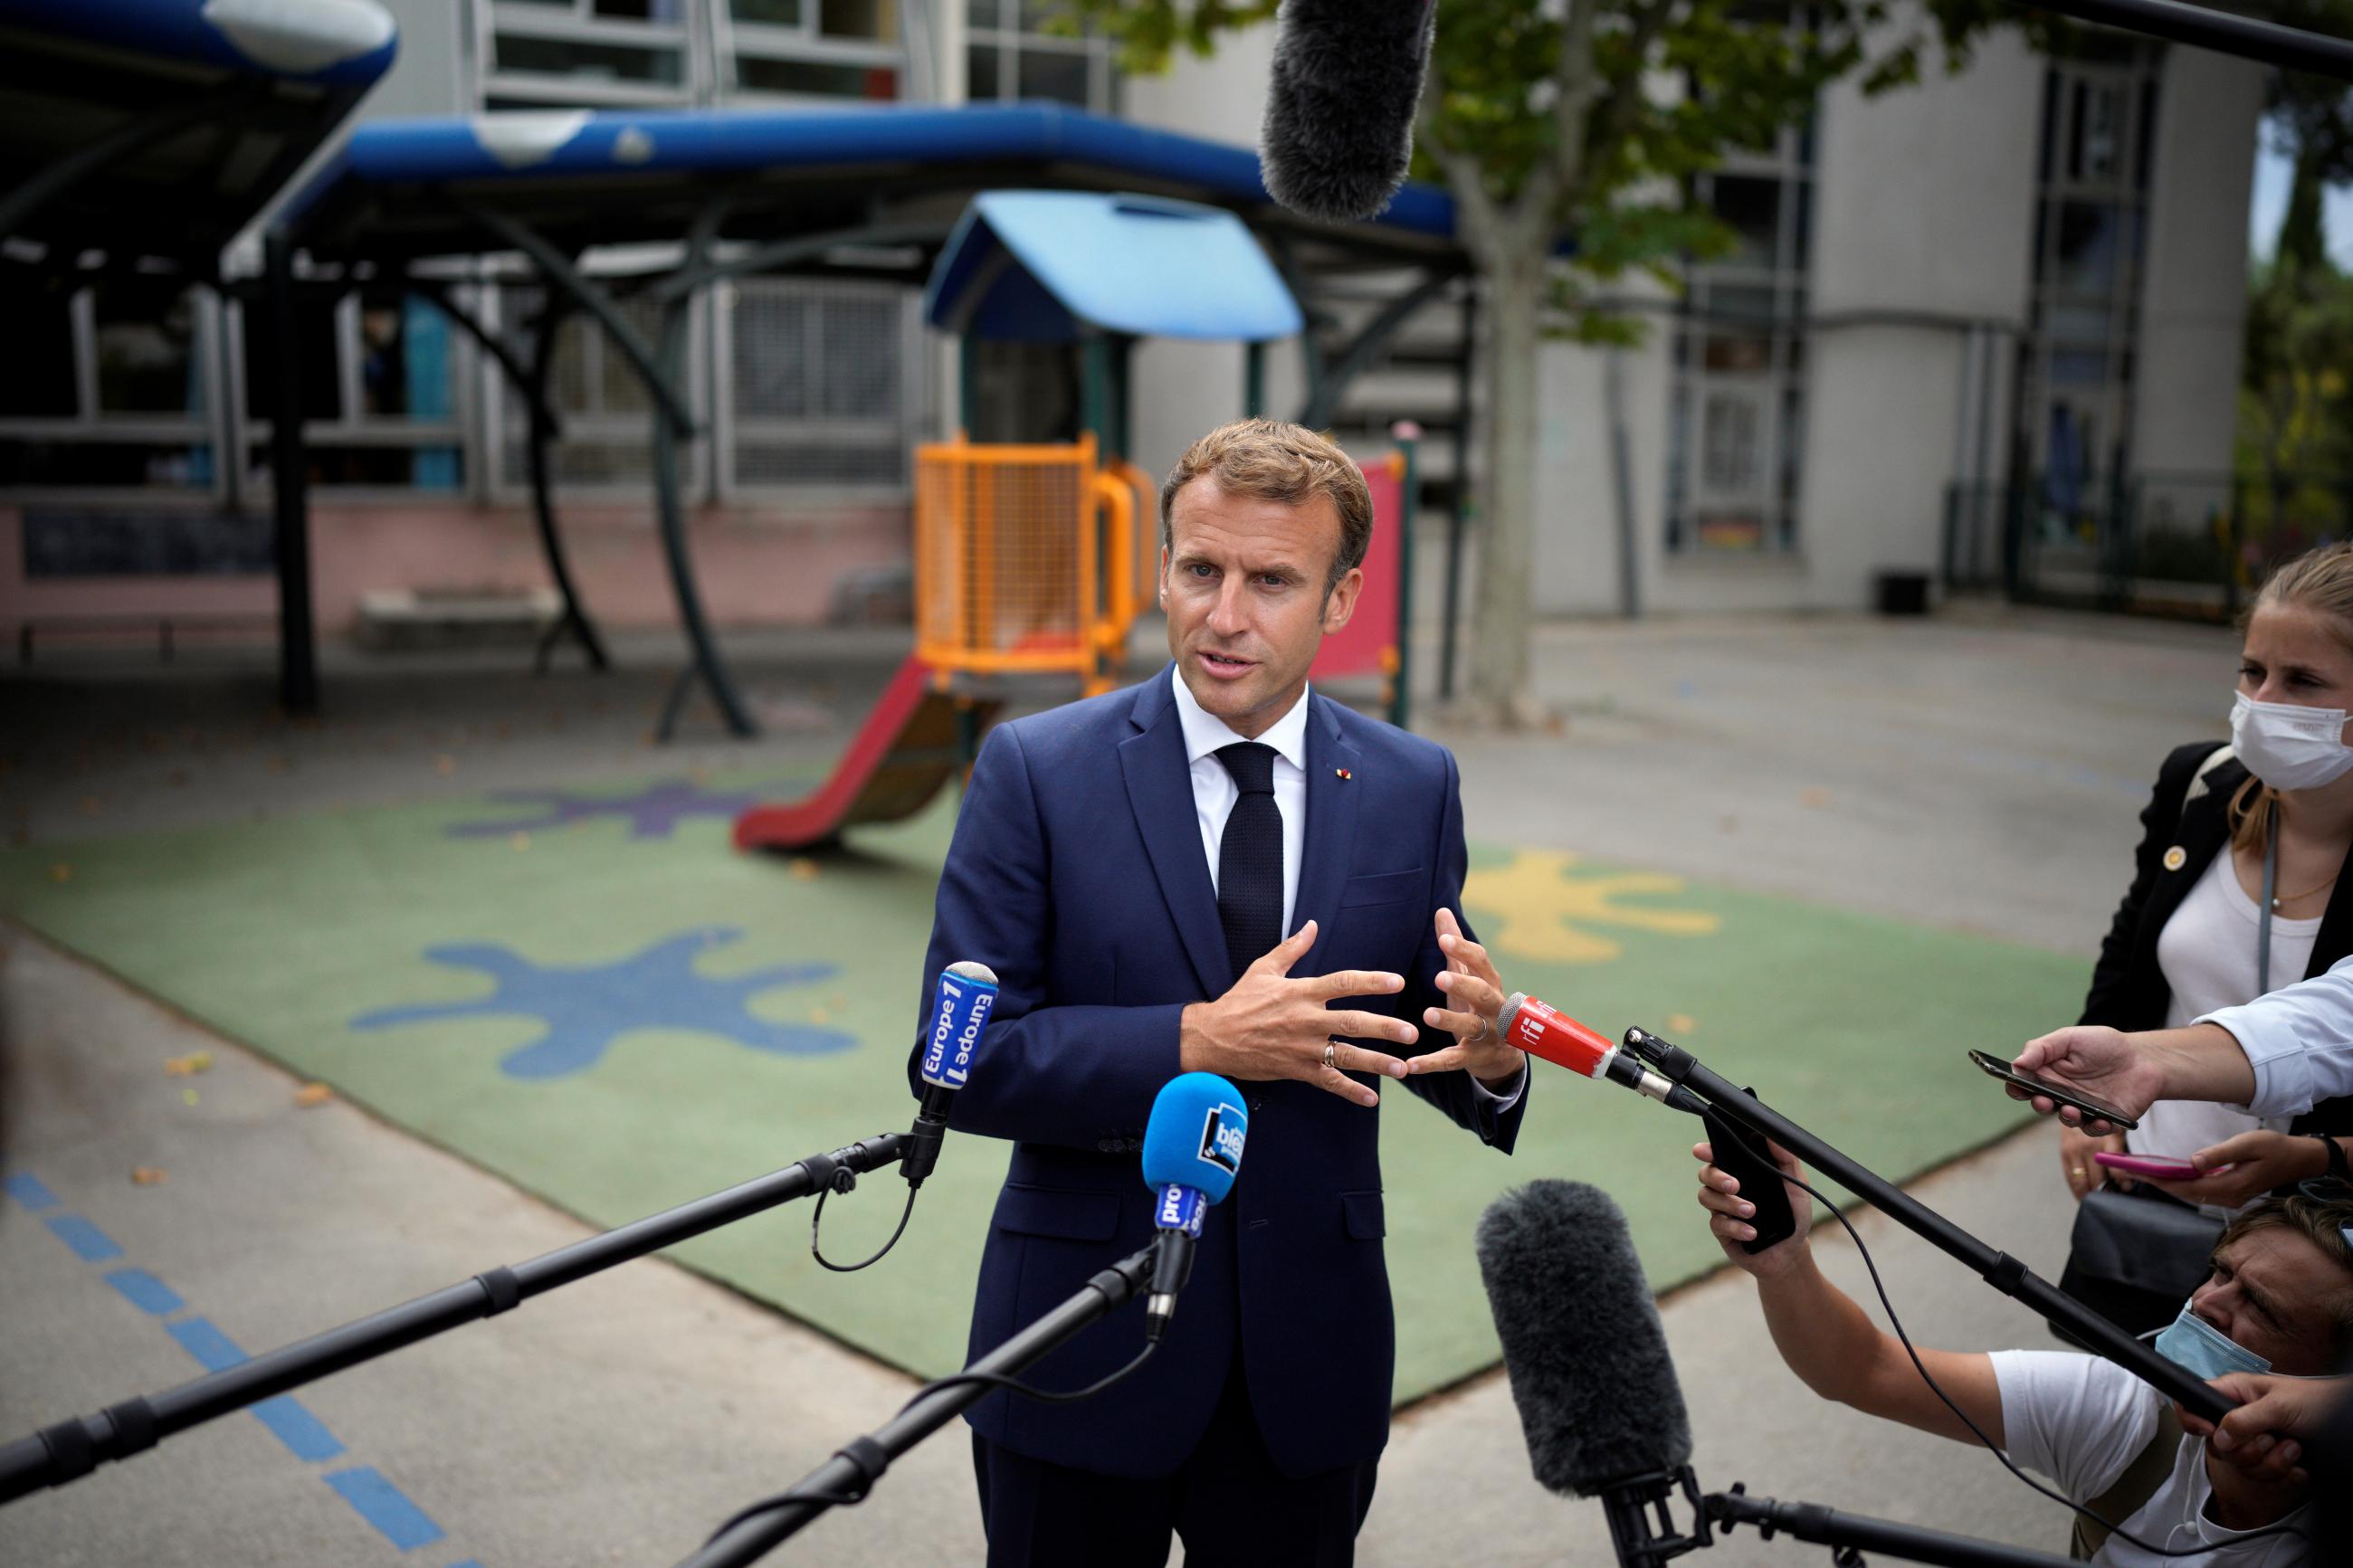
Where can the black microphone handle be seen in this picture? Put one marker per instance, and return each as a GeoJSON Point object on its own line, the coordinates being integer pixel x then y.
{"type": "Point", "coordinates": [844, 1475]}
{"type": "Point", "coordinates": [923, 1139]}
{"type": "Point", "coordinates": [1823, 1526]}
{"type": "Point", "coordinates": [1998, 1270]}
{"type": "Point", "coordinates": [72, 1449]}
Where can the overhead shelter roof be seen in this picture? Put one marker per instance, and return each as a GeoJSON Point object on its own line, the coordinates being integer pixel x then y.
{"type": "Point", "coordinates": [177, 120]}
{"type": "Point", "coordinates": [1046, 266]}
{"type": "Point", "coordinates": [617, 176]}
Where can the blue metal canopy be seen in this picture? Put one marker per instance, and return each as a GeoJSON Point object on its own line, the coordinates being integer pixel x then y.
{"type": "Point", "coordinates": [565, 171]}
{"type": "Point", "coordinates": [1050, 265]}
{"type": "Point", "coordinates": [161, 128]}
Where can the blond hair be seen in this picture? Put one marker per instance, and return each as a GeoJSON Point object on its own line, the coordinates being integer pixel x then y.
{"type": "Point", "coordinates": [2320, 1221]}
{"type": "Point", "coordinates": [1269, 460]}
{"type": "Point", "coordinates": [2320, 582]}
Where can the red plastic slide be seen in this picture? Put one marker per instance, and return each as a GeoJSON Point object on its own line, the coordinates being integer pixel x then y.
{"type": "Point", "coordinates": [898, 761]}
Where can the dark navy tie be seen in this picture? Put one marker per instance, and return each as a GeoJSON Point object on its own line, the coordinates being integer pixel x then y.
{"type": "Point", "coordinates": [1249, 857]}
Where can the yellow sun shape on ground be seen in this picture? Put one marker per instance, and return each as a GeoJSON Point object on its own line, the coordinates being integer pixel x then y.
{"type": "Point", "coordinates": [1535, 908]}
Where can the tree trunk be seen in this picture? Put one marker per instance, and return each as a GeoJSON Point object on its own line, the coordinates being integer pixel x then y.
{"type": "Point", "coordinates": [1506, 601]}
{"type": "Point", "coordinates": [2302, 244]}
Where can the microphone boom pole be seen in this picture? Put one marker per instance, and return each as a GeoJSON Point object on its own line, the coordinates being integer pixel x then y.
{"type": "Point", "coordinates": [1998, 1270]}
{"type": "Point", "coordinates": [74, 1448]}
{"type": "Point", "coordinates": [855, 1467]}
{"type": "Point", "coordinates": [1823, 1526]}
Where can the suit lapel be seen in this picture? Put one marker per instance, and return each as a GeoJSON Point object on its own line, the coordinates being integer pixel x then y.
{"type": "Point", "coordinates": [2203, 832]}
{"type": "Point", "coordinates": [1331, 828]}
{"type": "Point", "coordinates": [1160, 792]}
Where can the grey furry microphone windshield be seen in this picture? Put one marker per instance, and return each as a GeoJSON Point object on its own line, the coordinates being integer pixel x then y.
{"type": "Point", "coordinates": [1340, 103]}
{"type": "Point", "coordinates": [1582, 1342]}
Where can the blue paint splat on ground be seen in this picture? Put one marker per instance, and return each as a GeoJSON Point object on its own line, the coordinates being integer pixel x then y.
{"type": "Point", "coordinates": [90, 1242]}
{"type": "Point", "coordinates": [146, 1292]}
{"type": "Point", "coordinates": [652, 813]}
{"type": "Point", "coordinates": [387, 1507]}
{"type": "Point", "coordinates": [30, 1193]}
{"type": "Point", "coordinates": [587, 1008]}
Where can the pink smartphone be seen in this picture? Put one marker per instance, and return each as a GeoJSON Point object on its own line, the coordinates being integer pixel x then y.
{"type": "Point", "coordinates": [2159, 1166]}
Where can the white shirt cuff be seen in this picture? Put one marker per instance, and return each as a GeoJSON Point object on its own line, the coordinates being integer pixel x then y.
{"type": "Point", "coordinates": [1502, 1102]}
{"type": "Point", "coordinates": [2275, 1050]}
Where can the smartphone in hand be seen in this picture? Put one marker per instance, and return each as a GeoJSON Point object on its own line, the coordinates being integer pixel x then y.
{"type": "Point", "coordinates": [1994, 1067]}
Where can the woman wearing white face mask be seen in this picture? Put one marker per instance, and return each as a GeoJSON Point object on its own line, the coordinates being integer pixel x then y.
{"type": "Point", "coordinates": [2240, 888]}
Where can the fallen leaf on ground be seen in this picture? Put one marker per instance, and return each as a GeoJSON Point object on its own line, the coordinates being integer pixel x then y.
{"type": "Point", "coordinates": [60, 872]}
{"type": "Point", "coordinates": [190, 1064]}
{"type": "Point", "coordinates": [804, 870]}
{"type": "Point", "coordinates": [312, 1094]}
{"type": "Point", "coordinates": [521, 842]}
{"type": "Point", "coordinates": [147, 1176]}
{"type": "Point", "coordinates": [1814, 799]}
{"type": "Point", "coordinates": [1682, 1023]}
{"type": "Point", "coordinates": [445, 764]}
{"type": "Point", "coordinates": [188, 1096]}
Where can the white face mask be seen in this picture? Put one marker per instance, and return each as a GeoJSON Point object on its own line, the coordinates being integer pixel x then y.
{"type": "Point", "coordinates": [2288, 746]}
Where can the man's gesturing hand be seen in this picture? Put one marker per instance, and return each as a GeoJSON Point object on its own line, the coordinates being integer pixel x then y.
{"type": "Point", "coordinates": [1273, 1027]}
{"type": "Point", "coordinates": [1475, 994]}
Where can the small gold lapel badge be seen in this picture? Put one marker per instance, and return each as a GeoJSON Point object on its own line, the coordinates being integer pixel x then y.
{"type": "Point", "coordinates": [2176, 859]}
{"type": "Point", "coordinates": [1344, 772]}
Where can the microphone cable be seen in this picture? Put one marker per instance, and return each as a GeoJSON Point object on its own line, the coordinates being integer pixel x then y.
{"type": "Point", "coordinates": [845, 1180]}
{"type": "Point", "coordinates": [1765, 1154]}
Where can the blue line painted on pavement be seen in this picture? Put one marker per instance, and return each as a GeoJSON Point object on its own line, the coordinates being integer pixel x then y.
{"type": "Point", "coordinates": [28, 1191]}
{"type": "Point", "coordinates": [214, 1351]}
{"type": "Point", "coordinates": [144, 1291]}
{"type": "Point", "coordinates": [93, 1244]}
{"type": "Point", "coordinates": [468, 1562]}
{"type": "Point", "coordinates": [387, 1507]}
{"type": "Point", "coordinates": [301, 1431]}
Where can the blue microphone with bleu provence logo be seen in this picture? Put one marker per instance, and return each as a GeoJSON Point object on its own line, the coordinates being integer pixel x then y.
{"type": "Point", "coordinates": [1192, 1151]}
{"type": "Point", "coordinates": [960, 1008]}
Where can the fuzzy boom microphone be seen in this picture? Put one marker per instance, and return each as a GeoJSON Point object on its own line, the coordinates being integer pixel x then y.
{"type": "Point", "coordinates": [1340, 103]}
{"type": "Point", "coordinates": [1586, 1353]}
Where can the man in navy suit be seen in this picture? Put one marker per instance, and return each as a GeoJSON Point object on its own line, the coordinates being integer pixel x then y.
{"type": "Point", "coordinates": [1129, 866]}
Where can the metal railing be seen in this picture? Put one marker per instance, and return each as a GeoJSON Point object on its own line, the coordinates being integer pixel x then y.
{"type": "Point", "coordinates": [2154, 542]}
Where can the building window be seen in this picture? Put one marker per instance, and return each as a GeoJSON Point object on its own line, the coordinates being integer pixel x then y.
{"type": "Point", "coordinates": [1012, 54]}
{"type": "Point", "coordinates": [811, 49]}
{"type": "Point", "coordinates": [1735, 414]}
{"type": "Point", "coordinates": [603, 53]}
{"type": "Point", "coordinates": [380, 371]}
{"type": "Point", "coordinates": [2076, 363]}
{"type": "Point", "coordinates": [109, 385]}
{"type": "Point", "coordinates": [816, 384]}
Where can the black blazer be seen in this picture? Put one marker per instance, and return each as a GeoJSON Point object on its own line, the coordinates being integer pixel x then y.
{"type": "Point", "coordinates": [2129, 990]}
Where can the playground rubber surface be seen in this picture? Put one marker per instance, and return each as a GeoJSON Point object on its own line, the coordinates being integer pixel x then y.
{"type": "Point", "coordinates": [590, 993]}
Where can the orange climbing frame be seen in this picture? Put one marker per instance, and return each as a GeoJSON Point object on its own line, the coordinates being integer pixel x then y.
{"type": "Point", "coordinates": [1026, 560]}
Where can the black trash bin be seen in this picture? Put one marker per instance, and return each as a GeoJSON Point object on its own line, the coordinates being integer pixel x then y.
{"type": "Point", "coordinates": [1903, 593]}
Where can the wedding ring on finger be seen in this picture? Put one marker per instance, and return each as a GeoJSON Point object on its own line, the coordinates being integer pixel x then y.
{"type": "Point", "coordinates": [1485, 1028]}
{"type": "Point", "coordinates": [1329, 1047]}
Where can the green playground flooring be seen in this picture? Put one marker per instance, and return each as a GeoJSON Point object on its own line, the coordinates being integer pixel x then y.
{"type": "Point", "coordinates": [599, 1000]}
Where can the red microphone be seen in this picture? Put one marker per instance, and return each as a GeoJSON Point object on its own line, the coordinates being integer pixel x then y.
{"type": "Point", "coordinates": [1542, 1030]}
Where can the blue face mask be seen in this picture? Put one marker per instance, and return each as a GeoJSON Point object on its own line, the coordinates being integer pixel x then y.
{"type": "Point", "coordinates": [2196, 1345]}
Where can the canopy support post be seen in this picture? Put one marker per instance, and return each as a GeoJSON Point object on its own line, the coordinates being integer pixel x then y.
{"type": "Point", "coordinates": [298, 654]}
{"type": "Point", "coordinates": [530, 383]}
{"type": "Point", "coordinates": [669, 371]}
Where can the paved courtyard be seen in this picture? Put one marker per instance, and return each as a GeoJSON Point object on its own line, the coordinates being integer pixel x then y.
{"type": "Point", "coordinates": [1978, 773]}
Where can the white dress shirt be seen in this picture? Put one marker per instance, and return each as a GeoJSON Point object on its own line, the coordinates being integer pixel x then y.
{"type": "Point", "coordinates": [2299, 1040]}
{"type": "Point", "coordinates": [1215, 792]}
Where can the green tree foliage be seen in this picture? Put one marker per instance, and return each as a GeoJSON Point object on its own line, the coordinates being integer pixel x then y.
{"type": "Point", "coordinates": [1587, 119]}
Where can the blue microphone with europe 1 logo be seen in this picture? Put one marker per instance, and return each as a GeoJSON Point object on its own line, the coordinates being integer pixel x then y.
{"type": "Point", "coordinates": [1192, 1149]}
{"type": "Point", "coordinates": [960, 1008]}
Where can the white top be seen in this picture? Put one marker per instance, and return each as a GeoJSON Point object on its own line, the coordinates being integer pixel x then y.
{"type": "Point", "coordinates": [2081, 1421]}
{"type": "Point", "coordinates": [2207, 953]}
{"type": "Point", "coordinates": [1215, 792]}
{"type": "Point", "coordinates": [2299, 1041]}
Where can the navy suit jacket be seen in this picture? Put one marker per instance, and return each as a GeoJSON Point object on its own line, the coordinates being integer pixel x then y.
{"type": "Point", "coordinates": [1077, 874]}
